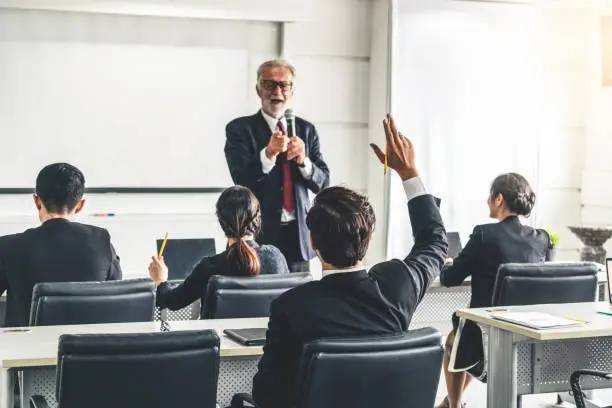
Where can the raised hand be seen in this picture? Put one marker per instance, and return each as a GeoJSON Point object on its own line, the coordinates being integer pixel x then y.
{"type": "Point", "coordinates": [400, 151]}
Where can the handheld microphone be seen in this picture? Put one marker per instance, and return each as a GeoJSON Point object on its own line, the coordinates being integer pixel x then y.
{"type": "Point", "coordinates": [290, 117]}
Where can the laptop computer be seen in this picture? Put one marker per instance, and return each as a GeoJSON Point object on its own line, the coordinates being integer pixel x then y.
{"type": "Point", "coordinates": [181, 255]}
{"type": "Point", "coordinates": [247, 337]}
{"type": "Point", "coordinates": [454, 244]}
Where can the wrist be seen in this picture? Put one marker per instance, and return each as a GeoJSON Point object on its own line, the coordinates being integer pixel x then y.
{"type": "Point", "coordinates": [407, 173]}
{"type": "Point", "coordinates": [269, 154]}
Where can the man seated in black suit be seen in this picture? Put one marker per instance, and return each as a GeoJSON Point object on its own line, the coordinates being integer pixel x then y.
{"type": "Point", "coordinates": [59, 250]}
{"type": "Point", "coordinates": [349, 300]}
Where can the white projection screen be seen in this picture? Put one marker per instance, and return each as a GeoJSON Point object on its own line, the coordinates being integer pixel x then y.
{"type": "Point", "coordinates": [132, 101]}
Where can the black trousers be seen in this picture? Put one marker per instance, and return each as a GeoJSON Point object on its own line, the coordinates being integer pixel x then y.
{"type": "Point", "coordinates": [289, 245]}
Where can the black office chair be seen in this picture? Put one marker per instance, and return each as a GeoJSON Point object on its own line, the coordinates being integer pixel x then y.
{"type": "Point", "coordinates": [544, 283]}
{"type": "Point", "coordinates": [60, 303]}
{"type": "Point", "coordinates": [230, 297]}
{"type": "Point", "coordinates": [577, 390]}
{"type": "Point", "coordinates": [153, 370]}
{"type": "Point", "coordinates": [364, 372]}
{"type": "Point", "coordinates": [541, 283]}
{"type": "Point", "coordinates": [181, 255]}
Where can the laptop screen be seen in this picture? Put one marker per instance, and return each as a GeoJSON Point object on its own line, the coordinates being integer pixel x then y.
{"type": "Point", "coordinates": [609, 277]}
{"type": "Point", "coordinates": [454, 244]}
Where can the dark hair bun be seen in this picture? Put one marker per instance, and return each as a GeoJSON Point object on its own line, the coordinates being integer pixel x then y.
{"type": "Point", "coordinates": [522, 203]}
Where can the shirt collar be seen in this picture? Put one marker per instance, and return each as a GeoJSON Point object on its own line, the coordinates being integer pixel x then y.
{"type": "Point", "coordinates": [272, 122]}
{"type": "Point", "coordinates": [337, 271]}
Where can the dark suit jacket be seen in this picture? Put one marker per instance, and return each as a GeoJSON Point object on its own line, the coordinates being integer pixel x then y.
{"type": "Point", "coordinates": [57, 251]}
{"type": "Point", "coordinates": [491, 245]}
{"type": "Point", "coordinates": [271, 259]}
{"type": "Point", "coordinates": [381, 301]}
{"type": "Point", "coordinates": [246, 137]}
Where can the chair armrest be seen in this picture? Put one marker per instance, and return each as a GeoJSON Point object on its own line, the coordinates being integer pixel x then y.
{"type": "Point", "coordinates": [38, 401]}
{"type": "Point", "coordinates": [238, 401]}
{"type": "Point", "coordinates": [575, 383]}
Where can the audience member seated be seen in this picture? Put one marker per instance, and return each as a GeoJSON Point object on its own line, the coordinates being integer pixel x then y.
{"type": "Point", "coordinates": [240, 218]}
{"type": "Point", "coordinates": [490, 245]}
{"type": "Point", "coordinates": [349, 300]}
{"type": "Point", "coordinates": [59, 250]}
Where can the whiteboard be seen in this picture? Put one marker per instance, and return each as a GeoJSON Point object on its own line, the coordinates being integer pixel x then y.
{"type": "Point", "coordinates": [128, 115]}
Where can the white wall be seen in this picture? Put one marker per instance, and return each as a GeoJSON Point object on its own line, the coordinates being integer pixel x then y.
{"type": "Point", "coordinates": [332, 56]}
{"type": "Point", "coordinates": [597, 169]}
{"type": "Point", "coordinates": [466, 93]}
{"type": "Point", "coordinates": [575, 170]}
{"type": "Point", "coordinates": [329, 46]}
{"type": "Point", "coordinates": [565, 59]}
{"type": "Point", "coordinates": [572, 127]}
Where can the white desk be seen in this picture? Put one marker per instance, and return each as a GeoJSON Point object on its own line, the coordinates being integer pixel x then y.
{"type": "Point", "coordinates": [439, 303]}
{"type": "Point", "coordinates": [35, 352]}
{"type": "Point", "coordinates": [527, 361]}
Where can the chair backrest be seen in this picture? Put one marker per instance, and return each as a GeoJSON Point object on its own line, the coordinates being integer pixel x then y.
{"type": "Point", "coordinates": [58, 303]}
{"type": "Point", "coordinates": [234, 297]}
{"type": "Point", "coordinates": [153, 370]}
{"type": "Point", "coordinates": [181, 255]}
{"type": "Point", "coordinates": [364, 372]}
{"type": "Point", "coordinates": [541, 283]}
{"type": "Point", "coordinates": [454, 244]}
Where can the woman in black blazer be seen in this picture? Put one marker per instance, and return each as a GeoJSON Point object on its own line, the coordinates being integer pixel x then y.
{"type": "Point", "coordinates": [240, 218]}
{"type": "Point", "coordinates": [490, 245]}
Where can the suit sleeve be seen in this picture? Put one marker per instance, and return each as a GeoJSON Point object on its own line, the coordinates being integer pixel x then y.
{"type": "Point", "coordinates": [455, 273]}
{"type": "Point", "coordinates": [274, 383]}
{"type": "Point", "coordinates": [405, 282]}
{"type": "Point", "coordinates": [430, 244]}
{"type": "Point", "coordinates": [243, 163]}
{"type": "Point", "coordinates": [192, 288]}
{"type": "Point", "coordinates": [320, 172]}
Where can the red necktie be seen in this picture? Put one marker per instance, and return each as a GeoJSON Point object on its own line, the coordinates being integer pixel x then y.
{"type": "Point", "coordinates": [287, 183]}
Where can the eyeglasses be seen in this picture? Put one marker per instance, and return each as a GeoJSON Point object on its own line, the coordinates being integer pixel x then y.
{"type": "Point", "coordinates": [270, 85]}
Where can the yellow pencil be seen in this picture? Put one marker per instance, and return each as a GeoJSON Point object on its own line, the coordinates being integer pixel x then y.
{"type": "Point", "coordinates": [576, 320]}
{"type": "Point", "coordinates": [386, 165]}
{"type": "Point", "coordinates": [163, 245]}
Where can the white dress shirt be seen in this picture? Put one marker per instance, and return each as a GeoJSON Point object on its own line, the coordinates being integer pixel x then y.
{"type": "Point", "coordinates": [267, 165]}
{"type": "Point", "coordinates": [414, 188]}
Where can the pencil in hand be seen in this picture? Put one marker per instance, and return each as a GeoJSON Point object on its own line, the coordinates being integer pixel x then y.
{"type": "Point", "coordinates": [163, 245]}
{"type": "Point", "coordinates": [386, 163]}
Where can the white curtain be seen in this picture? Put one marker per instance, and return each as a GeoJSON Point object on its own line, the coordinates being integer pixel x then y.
{"type": "Point", "coordinates": [465, 91]}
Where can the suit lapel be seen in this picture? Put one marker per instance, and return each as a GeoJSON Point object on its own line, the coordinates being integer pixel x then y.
{"type": "Point", "coordinates": [261, 129]}
{"type": "Point", "coordinates": [301, 132]}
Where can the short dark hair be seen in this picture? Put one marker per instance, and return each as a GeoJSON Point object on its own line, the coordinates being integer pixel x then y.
{"type": "Point", "coordinates": [518, 196]}
{"type": "Point", "coordinates": [60, 187]}
{"type": "Point", "coordinates": [341, 223]}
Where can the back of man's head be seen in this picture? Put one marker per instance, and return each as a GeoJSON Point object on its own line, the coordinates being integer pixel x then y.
{"type": "Point", "coordinates": [60, 187]}
{"type": "Point", "coordinates": [341, 223]}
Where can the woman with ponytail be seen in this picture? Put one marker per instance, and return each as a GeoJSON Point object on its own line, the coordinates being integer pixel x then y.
{"type": "Point", "coordinates": [490, 245]}
{"type": "Point", "coordinates": [239, 215]}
